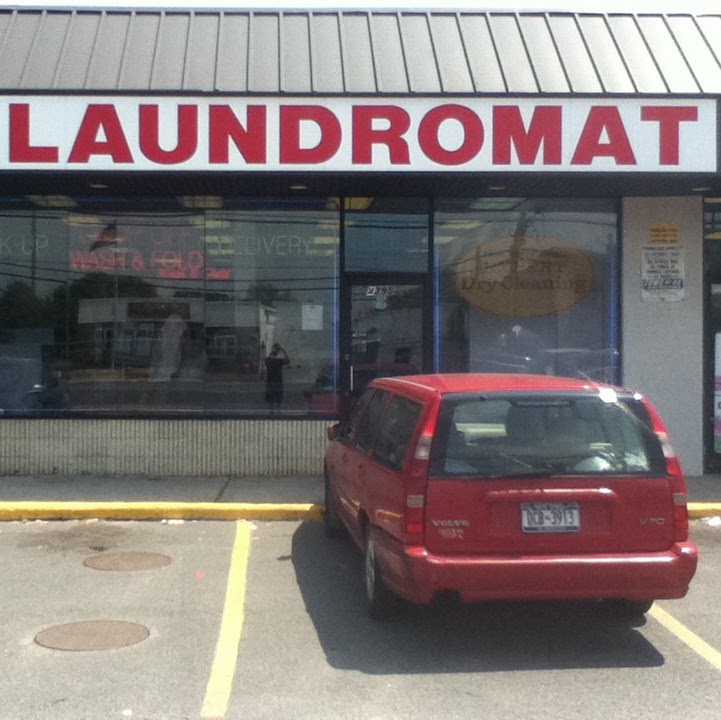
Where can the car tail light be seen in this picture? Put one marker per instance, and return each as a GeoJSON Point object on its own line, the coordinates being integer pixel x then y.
{"type": "Point", "coordinates": [678, 488]}
{"type": "Point", "coordinates": [674, 474]}
{"type": "Point", "coordinates": [415, 510]}
{"type": "Point", "coordinates": [415, 518]}
{"type": "Point", "coordinates": [680, 517]}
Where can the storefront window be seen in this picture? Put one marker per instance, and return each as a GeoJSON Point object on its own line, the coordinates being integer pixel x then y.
{"type": "Point", "coordinates": [527, 285]}
{"type": "Point", "coordinates": [386, 235]}
{"type": "Point", "coordinates": [172, 306]}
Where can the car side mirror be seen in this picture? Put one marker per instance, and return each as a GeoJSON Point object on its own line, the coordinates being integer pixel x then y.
{"type": "Point", "coordinates": [37, 389]}
{"type": "Point", "coordinates": [337, 431]}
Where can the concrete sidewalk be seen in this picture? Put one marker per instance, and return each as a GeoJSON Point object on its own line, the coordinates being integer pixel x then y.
{"type": "Point", "coordinates": [150, 498]}
{"type": "Point", "coordinates": [131, 488]}
{"type": "Point", "coordinates": [260, 498]}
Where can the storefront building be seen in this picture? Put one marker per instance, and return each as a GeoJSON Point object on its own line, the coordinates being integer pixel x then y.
{"type": "Point", "coordinates": [376, 192]}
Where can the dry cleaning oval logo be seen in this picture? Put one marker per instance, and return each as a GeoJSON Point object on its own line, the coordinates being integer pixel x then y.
{"type": "Point", "coordinates": [524, 276]}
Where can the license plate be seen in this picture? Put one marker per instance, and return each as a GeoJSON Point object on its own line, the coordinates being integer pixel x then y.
{"type": "Point", "coordinates": [550, 517]}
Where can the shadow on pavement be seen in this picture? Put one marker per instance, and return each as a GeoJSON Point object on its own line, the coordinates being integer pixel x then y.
{"type": "Point", "coordinates": [489, 637]}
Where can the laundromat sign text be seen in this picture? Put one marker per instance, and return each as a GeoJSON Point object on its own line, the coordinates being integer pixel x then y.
{"type": "Point", "coordinates": [524, 276]}
{"type": "Point", "coordinates": [357, 134]}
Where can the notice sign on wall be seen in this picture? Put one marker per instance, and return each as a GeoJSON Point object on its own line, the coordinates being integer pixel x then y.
{"type": "Point", "coordinates": [663, 272]}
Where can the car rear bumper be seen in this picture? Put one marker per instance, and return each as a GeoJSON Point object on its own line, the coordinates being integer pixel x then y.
{"type": "Point", "coordinates": [418, 576]}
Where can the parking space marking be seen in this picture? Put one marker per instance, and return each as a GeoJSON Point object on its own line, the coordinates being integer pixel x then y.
{"type": "Point", "coordinates": [686, 636]}
{"type": "Point", "coordinates": [222, 673]}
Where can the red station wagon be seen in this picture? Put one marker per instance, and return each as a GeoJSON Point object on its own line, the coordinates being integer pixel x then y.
{"type": "Point", "coordinates": [515, 487]}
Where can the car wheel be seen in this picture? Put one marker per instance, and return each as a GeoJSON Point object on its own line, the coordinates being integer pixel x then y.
{"type": "Point", "coordinates": [331, 520]}
{"type": "Point", "coordinates": [381, 602]}
{"type": "Point", "coordinates": [628, 609]}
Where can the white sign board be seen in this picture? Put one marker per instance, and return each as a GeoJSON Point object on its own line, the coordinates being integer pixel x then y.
{"type": "Point", "coordinates": [663, 272]}
{"type": "Point", "coordinates": [357, 134]}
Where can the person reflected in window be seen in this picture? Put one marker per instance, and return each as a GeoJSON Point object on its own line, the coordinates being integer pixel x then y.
{"type": "Point", "coordinates": [274, 364]}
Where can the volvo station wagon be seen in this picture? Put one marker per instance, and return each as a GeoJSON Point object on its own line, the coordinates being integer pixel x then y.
{"type": "Point", "coordinates": [509, 487]}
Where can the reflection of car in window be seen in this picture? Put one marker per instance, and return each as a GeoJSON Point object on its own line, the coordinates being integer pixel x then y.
{"type": "Point", "coordinates": [27, 384]}
{"type": "Point", "coordinates": [325, 395]}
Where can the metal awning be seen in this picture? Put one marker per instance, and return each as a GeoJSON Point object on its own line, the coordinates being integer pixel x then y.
{"type": "Point", "coordinates": [358, 52]}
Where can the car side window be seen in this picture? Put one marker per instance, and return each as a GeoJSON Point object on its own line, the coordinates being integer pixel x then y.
{"type": "Point", "coordinates": [368, 426]}
{"type": "Point", "coordinates": [348, 426]}
{"type": "Point", "coordinates": [395, 431]}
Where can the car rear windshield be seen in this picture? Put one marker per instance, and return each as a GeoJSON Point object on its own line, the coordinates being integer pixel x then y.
{"type": "Point", "coordinates": [498, 436]}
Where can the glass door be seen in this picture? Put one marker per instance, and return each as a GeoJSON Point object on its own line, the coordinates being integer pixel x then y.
{"type": "Point", "coordinates": [712, 332]}
{"type": "Point", "coordinates": [385, 330]}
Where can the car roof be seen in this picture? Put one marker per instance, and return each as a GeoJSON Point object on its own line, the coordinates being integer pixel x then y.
{"type": "Point", "coordinates": [443, 383]}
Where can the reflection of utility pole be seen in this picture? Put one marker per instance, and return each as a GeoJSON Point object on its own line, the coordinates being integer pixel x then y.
{"type": "Point", "coordinates": [34, 251]}
{"type": "Point", "coordinates": [115, 310]}
{"type": "Point", "coordinates": [109, 237]}
{"type": "Point", "coordinates": [518, 239]}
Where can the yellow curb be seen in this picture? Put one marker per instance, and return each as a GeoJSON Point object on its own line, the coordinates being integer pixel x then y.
{"type": "Point", "coordinates": [33, 510]}
{"type": "Point", "coordinates": [702, 510]}
{"type": "Point", "coordinates": [158, 511]}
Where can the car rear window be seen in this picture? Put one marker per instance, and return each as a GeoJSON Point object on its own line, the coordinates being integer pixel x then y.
{"type": "Point", "coordinates": [490, 436]}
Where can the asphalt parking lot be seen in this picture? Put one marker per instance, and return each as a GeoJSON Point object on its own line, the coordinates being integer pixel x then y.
{"type": "Point", "coordinates": [209, 619]}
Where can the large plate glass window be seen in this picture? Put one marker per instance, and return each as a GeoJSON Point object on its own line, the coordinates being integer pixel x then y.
{"type": "Point", "coordinates": [527, 285]}
{"type": "Point", "coordinates": [167, 306]}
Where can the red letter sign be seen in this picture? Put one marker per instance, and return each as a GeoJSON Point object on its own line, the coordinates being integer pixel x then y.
{"type": "Point", "coordinates": [508, 128]}
{"type": "Point", "coordinates": [150, 131]}
{"type": "Point", "coordinates": [20, 148]}
{"type": "Point", "coordinates": [472, 134]}
{"type": "Point", "coordinates": [100, 117]}
{"type": "Point", "coordinates": [291, 117]}
{"type": "Point", "coordinates": [600, 118]}
{"type": "Point", "coordinates": [669, 120]}
{"type": "Point", "coordinates": [364, 136]}
{"type": "Point", "coordinates": [224, 126]}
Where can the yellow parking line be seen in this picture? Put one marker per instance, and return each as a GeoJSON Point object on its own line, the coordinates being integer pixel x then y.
{"type": "Point", "coordinates": [222, 673]}
{"type": "Point", "coordinates": [699, 646]}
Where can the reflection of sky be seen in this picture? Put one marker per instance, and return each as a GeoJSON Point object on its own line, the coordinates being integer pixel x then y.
{"type": "Point", "coordinates": [594, 232]}
{"type": "Point", "coordinates": [386, 242]}
{"type": "Point", "coordinates": [33, 250]}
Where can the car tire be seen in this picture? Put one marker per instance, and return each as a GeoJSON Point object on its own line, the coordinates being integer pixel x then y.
{"type": "Point", "coordinates": [332, 523]}
{"type": "Point", "coordinates": [628, 609]}
{"type": "Point", "coordinates": [382, 604]}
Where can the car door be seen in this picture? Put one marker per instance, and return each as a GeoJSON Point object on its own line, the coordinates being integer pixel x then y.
{"type": "Point", "coordinates": [385, 489]}
{"type": "Point", "coordinates": [341, 462]}
{"type": "Point", "coordinates": [359, 468]}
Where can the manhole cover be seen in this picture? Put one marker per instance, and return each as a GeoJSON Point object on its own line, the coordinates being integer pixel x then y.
{"type": "Point", "coordinates": [92, 635]}
{"type": "Point", "coordinates": [127, 561]}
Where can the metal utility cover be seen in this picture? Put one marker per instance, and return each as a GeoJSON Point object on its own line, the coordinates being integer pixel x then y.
{"type": "Point", "coordinates": [92, 635]}
{"type": "Point", "coordinates": [126, 561]}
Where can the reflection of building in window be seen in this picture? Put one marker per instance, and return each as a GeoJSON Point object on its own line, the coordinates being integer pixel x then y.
{"type": "Point", "coordinates": [236, 272]}
{"type": "Point", "coordinates": [222, 346]}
